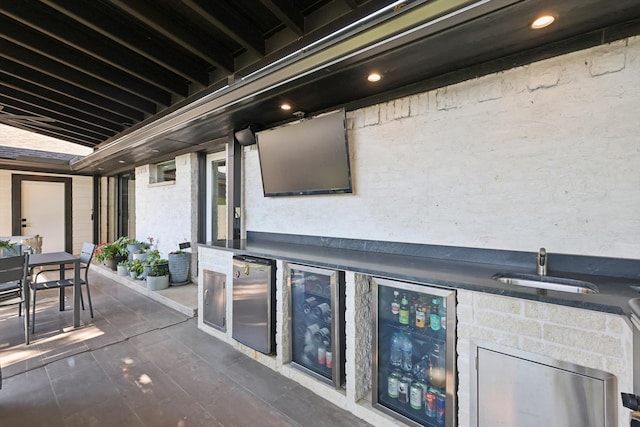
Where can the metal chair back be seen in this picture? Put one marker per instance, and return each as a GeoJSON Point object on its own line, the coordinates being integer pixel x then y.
{"type": "Point", "coordinates": [14, 285]}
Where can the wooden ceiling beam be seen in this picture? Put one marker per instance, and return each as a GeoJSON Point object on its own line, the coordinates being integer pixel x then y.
{"type": "Point", "coordinates": [57, 27]}
{"type": "Point", "coordinates": [178, 34]}
{"type": "Point", "coordinates": [111, 110]}
{"type": "Point", "coordinates": [142, 43]}
{"type": "Point", "coordinates": [286, 13]}
{"type": "Point", "coordinates": [235, 27]}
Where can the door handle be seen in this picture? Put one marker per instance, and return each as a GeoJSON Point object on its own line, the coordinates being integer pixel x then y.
{"type": "Point", "coordinates": [204, 297]}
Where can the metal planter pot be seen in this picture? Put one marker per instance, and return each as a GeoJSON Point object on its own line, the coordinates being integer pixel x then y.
{"type": "Point", "coordinates": [179, 264]}
{"type": "Point", "coordinates": [156, 283]}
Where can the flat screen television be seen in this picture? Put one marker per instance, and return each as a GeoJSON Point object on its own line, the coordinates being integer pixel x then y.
{"type": "Point", "coordinates": [309, 156]}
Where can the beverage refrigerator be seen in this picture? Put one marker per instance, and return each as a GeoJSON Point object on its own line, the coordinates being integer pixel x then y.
{"type": "Point", "coordinates": [414, 378]}
{"type": "Point", "coordinates": [317, 322]}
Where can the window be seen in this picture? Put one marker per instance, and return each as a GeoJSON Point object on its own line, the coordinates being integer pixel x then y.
{"type": "Point", "coordinates": [162, 172]}
{"type": "Point", "coordinates": [216, 197]}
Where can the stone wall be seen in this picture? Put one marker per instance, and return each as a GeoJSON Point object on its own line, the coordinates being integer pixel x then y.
{"type": "Point", "coordinates": [540, 155]}
{"type": "Point", "coordinates": [582, 337]}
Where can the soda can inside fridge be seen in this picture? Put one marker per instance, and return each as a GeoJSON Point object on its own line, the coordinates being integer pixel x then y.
{"type": "Point", "coordinates": [414, 378]}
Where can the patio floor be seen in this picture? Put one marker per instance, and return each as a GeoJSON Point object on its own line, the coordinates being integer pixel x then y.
{"type": "Point", "coordinates": [140, 363]}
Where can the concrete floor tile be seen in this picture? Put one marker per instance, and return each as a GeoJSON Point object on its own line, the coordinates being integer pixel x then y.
{"type": "Point", "coordinates": [144, 384]}
{"type": "Point", "coordinates": [107, 413]}
{"type": "Point", "coordinates": [140, 364]}
{"type": "Point", "coordinates": [177, 413]}
{"type": "Point", "coordinates": [310, 410]}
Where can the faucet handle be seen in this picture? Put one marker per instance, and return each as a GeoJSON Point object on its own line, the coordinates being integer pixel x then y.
{"type": "Point", "coordinates": [541, 265]}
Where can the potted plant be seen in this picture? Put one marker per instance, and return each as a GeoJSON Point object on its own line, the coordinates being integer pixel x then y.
{"type": "Point", "coordinates": [133, 246]}
{"type": "Point", "coordinates": [179, 263]}
{"type": "Point", "coordinates": [135, 268]}
{"type": "Point", "coordinates": [158, 275]}
{"type": "Point", "coordinates": [142, 249]}
{"type": "Point", "coordinates": [151, 256]}
{"type": "Point", "coordinates": [123, 268]}
{"type": "Point", "coordinates": [8, 249]}
{"type": "Point", "coordinates": [111, 254]}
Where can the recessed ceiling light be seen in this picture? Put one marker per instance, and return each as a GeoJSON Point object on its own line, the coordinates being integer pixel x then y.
{"type": "Point", "coordinates": [285, 107]}
{"type": "Point", "coordinates": [374, 77]}
{"type": "Point", "coordinates": [155, 151]}
{"type": "Point", "coordinates": [542, 21]}
{"type": "Point", "coordinates": [120, 161]}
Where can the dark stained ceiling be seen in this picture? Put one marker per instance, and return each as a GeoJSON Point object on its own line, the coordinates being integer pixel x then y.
{"type": "Point", "coordinates": [143, 79]}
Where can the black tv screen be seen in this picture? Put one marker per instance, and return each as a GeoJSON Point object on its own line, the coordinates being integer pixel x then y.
{"type": "Point", "coordinates": [310, 156]}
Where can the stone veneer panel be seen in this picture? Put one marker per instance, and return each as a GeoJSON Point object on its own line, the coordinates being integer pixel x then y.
{"type": "Point", "coordinates": [359, 335]}
{"type": "Point", "coordinates": [283, 307]}
{"type": "Point", "coordinates": [586, 338]}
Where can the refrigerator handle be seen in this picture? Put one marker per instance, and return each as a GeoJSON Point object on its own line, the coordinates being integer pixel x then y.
{"type": "Point", "coordinates": [204, 297]}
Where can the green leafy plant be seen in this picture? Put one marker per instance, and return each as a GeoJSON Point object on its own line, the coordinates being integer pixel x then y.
{"type": "Point", "coordinates": [109, 251]}
{"type": "Point", "coordinates": [6, 244]}
{"type": "Point", "coordinates": [152, 256]}
{"type": "Point", "coordinates": [159, 267]}
{"type": "Point", "coordinates": [136, 266]}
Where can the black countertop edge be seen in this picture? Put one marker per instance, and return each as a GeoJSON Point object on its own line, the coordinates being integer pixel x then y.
{"type": "Point", "coordinates": [615, 292]}
{"type": "Point", "coordinates": [582, 264]}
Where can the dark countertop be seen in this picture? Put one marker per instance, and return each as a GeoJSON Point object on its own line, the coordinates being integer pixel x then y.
{"type": "Point", "coordinates": [615, 293]}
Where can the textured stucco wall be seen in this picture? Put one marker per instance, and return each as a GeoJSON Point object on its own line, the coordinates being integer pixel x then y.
{"type": "Point", "coordinates": [167, 211]}
{"type": "Point", "coordinates": [541, 155]}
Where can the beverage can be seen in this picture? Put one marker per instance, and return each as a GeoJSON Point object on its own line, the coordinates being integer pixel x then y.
{"type": "Point", "coordinates": [322, 355]}
{"type": "Point", "coordinates": [415, 395]}
{"type": "Point", "coordinates": [403, 389]}
{"type": "Point", "coordinates": [392, 385]}
{"type": "Point", "coordinates": [440, 408]}
{"type": "Point", "coordinates": [329, 359]}
{"type": "Point", "coordinates": [430, 403]}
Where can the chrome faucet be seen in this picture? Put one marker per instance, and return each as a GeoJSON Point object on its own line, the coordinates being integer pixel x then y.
{"type": "Point", "coordinates": [541, 266]}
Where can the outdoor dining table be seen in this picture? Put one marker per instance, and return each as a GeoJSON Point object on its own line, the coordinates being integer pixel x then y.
{"type": "Point", "coordinates": [61, 259]}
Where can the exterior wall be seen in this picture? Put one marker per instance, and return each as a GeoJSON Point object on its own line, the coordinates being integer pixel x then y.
{"type": "Point", "coordinates": [586, 338]}
{"type": "Point", "coordinates": [82, 204]}
{"type": "Point", "coordinates": [167, 211]}
{"type": "Point", "coordinates": [541, 155]}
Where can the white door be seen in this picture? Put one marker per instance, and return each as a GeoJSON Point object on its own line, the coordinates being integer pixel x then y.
{"type": "Point", "coordinates": [43, 209]}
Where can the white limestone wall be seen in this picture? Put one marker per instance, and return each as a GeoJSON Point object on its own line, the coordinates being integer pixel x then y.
{"type": "Point", "coordinates": [586, 338]}
{"type": "Point", "coordinates": [541, 155]}
{"type": "Point", "coordinates": [167, 211]}
{"type": "Point", "coordinates": [82, 204]}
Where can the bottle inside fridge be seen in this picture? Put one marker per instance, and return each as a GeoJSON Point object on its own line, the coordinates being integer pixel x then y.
{"type": "Point", "coordinates": [414, 376]}
{"type": "Point", "coordinates": [317, 325]}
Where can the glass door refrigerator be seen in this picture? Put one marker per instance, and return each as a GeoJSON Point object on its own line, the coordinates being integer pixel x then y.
{"type": "Point", "coordinates": [317, 322]}
{"type": "Point", "coordinates": [414, 378]}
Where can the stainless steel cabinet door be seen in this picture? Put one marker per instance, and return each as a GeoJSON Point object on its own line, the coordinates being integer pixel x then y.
{"type": "Point", "coordinates": [214, 299]}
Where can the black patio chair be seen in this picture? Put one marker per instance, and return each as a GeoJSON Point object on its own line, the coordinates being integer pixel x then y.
{"type": "Point", "coordinates": [86, 255]}
{"type": "Point", "coordinates": [14, 280]}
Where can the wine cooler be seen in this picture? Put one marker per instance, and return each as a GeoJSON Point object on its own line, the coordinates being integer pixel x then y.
{"type": "Point", "coordinates": [317, 322]}
{"type": "Point", "coordinates": [414, 376]}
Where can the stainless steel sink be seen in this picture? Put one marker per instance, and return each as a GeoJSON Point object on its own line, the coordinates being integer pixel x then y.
{"type": "Point", "coordinates": [547, 282]}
